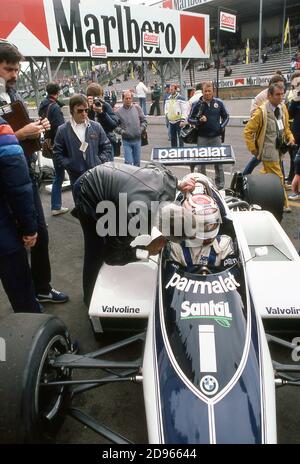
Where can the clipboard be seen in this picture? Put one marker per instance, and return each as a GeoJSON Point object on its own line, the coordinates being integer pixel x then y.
{"type": "Point", "coordinates": [15, 114]}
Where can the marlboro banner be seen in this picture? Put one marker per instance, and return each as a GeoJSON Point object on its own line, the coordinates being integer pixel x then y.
{"type": "Point", "coordinates": [68, 28]}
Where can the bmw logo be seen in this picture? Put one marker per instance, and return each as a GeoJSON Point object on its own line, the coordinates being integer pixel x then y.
{"type": "Point", "coordinates": [209, 385]}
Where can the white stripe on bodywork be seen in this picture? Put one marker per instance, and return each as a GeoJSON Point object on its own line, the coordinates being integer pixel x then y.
{"type": "Point", "coordinates": [207, 348]}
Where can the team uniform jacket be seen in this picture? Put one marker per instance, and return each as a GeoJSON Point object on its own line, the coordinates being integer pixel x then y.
{"type": "Point", "coordinates": [17, 213]}
{"type": "Point", "coordinates": [216, 114]}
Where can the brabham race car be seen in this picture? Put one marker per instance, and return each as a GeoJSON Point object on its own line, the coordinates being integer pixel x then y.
{"type": "Point", "coordinates": [206, 368]}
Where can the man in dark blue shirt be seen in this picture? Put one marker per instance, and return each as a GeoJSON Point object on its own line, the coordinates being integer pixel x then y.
{"type": "Point", "coordinates": [210, 117]}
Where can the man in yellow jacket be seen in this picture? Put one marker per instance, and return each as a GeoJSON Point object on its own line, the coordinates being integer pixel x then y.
{"type": "Point", "coordinates": [268, 130]}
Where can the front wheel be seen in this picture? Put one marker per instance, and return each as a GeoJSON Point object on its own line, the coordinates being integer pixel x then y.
{"type": "Point", "coordinates": [31, 412]}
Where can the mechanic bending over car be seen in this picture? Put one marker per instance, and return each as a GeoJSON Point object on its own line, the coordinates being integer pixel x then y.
{"type": "Point", "coordinates": [104, 183]}
{"type": "Point", "coordinates": [152, 183]}
{"type": "Point", "coordinates": [208, 251]}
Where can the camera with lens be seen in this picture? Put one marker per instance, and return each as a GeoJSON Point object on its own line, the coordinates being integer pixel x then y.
{"type": "Point", "coordinates": [281, 145]}
{"type": "Point", "coordinates": [98, 102]}
{"type": "Point", "coordinates": [201, 110]}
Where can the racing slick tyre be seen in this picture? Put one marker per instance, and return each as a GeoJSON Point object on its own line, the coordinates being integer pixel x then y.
{"type": "Point", "coordinates": [266, 191]}
{"type": "Point", "coordinates": [31, 413]}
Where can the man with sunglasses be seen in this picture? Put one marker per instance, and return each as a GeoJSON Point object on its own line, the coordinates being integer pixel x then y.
{"type": "Point", "coordinates": [10, 58]}
{"type": "Point", "coordinates": [80, 144]}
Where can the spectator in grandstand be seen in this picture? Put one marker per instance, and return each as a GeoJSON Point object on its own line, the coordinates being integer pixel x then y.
{"type": "Point", "coordinates": [50, 107]}
{"type": "Point", "coordinates": [176, 111]}
{"type": "Point", "coordinates": [267, 131]}
{"type": "Point", "coordinates": [210, 117]}
{"type": "Point", "coordinates": [101, 111]}
{"type": "Point", "coordinates": [80, 144]}
{"type": "Point", "coordinates": [132, 122]}
{"type": "Point", "coordinates": [141, 92]}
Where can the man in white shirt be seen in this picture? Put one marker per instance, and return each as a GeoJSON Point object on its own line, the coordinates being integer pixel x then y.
{"type": "Point", "coordinates": [80, 144]}
{"type": "Point", "coordinates": [141, 91]}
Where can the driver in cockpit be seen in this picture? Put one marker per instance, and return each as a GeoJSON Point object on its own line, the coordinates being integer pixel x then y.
{"type": "Point", "coordinates": [205, 249]}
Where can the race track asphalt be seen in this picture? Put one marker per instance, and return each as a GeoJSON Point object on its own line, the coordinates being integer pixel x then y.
{"type": "Point", "coordinates": [120, 406]}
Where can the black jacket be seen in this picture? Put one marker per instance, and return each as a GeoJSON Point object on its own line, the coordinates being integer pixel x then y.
{"type": "Point", "coordinates": [108, 120]}
{"type": "Point", "coordinates": [216, 114]}
{"type": "Point", "coordinates": [54, 114]}
{"type": "Point", "coordinates": [152, 183]}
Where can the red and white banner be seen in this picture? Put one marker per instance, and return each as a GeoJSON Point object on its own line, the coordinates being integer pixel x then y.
{"type": "Point", "coordinates": [67, 28]}
{"type": "Point", "coordinates": [263, 81]}
{"type": "Point", "coordinates": [227, 22]}
{"type": "Point", "coordinates": [98, 51]}
{"type": "Point", "coordinates": [151, 40]}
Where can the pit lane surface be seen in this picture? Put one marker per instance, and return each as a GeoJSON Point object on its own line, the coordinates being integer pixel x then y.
{"type": "Point", "coordinates": [120, 406]}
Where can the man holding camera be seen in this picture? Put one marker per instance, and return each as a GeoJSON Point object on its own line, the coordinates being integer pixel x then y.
{"type": "Point", "coordinates": [268, 134]}
{"type": "Point", "coordinates": [101, 111]}
{"type": "Point", "coordinates": [80, 144]}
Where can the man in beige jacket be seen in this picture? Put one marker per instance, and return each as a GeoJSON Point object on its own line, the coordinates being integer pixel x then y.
{"type": "Point", "coordinates": [267, 129]}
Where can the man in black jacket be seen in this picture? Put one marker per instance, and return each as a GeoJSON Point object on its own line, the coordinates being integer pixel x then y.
{"type": "Point", "coordinates": [50, 108]}
{"type": "Point", "coordinates": [116, 187]}
{"type": "Point", "coordinates": [10, 59]}
{"type": "Point", "coordinates": [101, 111]}
{"type": "Point", "coordinates": [18, 225]}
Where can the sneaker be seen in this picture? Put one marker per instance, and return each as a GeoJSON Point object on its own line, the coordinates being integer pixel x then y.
{"type": "Point", "coordinates": [294, 196]}
{"type": "Point", "coordinates": [287, 209]}
{"type": "Point", "coordinates": [54, 296]}
{"type": "Point", "coordinates": [57, 212]}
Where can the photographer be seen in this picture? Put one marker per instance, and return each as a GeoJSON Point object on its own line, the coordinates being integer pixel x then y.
{"type": "Point", "coordinates": [210, 117]}
{"type": "Point", "coordinates": [101, 111]}
{"type": "Point", "coordinates": [267, 133]}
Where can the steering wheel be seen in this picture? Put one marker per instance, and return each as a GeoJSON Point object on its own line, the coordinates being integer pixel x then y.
{"type": "Point", "coordinates": [204, 270]}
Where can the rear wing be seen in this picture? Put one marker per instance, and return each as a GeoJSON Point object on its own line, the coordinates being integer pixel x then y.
{"type": "Point", "coordinates": [193, 155]}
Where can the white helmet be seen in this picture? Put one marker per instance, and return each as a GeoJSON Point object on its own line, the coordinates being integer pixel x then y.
{"type": "Point", "coordinates": [207, 216]}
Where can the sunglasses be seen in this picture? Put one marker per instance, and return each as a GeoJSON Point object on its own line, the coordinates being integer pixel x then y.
{"type": "Point", "coordinates": [82, 110]}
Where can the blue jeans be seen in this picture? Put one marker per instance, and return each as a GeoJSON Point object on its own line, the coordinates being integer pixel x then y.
{"type": "Point", "coordinates": [132, 151]}
{"type": "Point", "coordinates": [142, 103]}
{"type": "Point", "coordinates": [56, 186]}
{"type": "Point", "coordinates": [251, 165]}
{"type": "Point", "coordinates": [176, 140]}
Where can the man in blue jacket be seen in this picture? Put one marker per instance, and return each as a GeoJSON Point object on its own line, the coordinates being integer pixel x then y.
{"type": "Point", "coordinates": [210, 117]}
{"type": "Point", "coordinates": [18, 225]}
{"type": "Point", "coordinates": [80, 144]}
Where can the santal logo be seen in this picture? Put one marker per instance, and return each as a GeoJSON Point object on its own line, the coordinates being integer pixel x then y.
{"type": "Point", "coordinates": [219, 312]}
{"type": "Point", "coordinates": [120, 309]}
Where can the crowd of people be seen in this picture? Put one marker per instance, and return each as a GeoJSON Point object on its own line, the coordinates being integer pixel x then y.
{"type": "Point", "coordinates": [84, 145]}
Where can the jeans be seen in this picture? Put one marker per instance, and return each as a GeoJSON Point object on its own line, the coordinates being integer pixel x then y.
{"type": "Point", "coordinates": [251, 165]}
{"type": "Point", "coordinates": [142, 102]}
{"type": "Point", "coordinates": [155, 106]}
{"type": "Point", "coordinates": [132, 151]}
{"type": "Point", "coordinates": [219, 171]}
{"type": "Point", "coordinates": [17, 282]}
{"type": "Point", "coordinates": [56, 186]}
{"type": "Point", "coordinates": [176, 140]}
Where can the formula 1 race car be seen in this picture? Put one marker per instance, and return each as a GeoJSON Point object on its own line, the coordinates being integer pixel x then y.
{"type": "Point", "coordinates": [206, 367]}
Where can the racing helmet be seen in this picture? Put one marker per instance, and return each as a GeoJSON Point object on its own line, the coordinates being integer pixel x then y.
{"type": "Point", "coordinates": [207, 217]}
